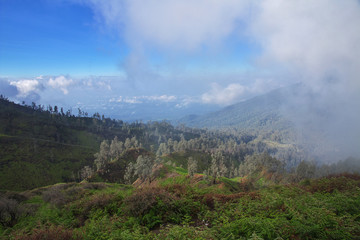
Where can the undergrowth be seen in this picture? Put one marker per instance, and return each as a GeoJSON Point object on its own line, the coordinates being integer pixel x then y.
{"type": "Point", "coordinates": [179, 208]}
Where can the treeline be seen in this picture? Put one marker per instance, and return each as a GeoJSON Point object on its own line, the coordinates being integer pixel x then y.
{"type": "Point", "coordinates": [212, 153]}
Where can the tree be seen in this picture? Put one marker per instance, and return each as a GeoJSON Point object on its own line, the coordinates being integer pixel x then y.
{"type": "Point", "coordinates": [143, 167]}
{"type": "Point", "coordinates": [259, 162]}
{"type": "Point", "coordinates": [33, 105]}
{"type": "Point", "coordinates": [127, 143]}
{"type": "Point", "coordinates": [217, 168]}
{"type": "Point", "coordinates": [162, 150]}
{"type": "Point", "coordinates": [116, 148]}
{"type": "Point", "coordinates": [192, 166]}
{"type": "Point", "coordinates": [134, 142]}
{"type": "Point", "coordinates": [86, 172]}
{"type": "Point", "coordinates": [129, 173]}
{"type": "Point", "coordinates": [305, 170]}
{"type": "Point", "coordinates": [102, 157]}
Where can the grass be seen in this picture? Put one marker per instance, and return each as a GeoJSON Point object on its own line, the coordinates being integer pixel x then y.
{"type": "Point", "coordinates": [176, 208]}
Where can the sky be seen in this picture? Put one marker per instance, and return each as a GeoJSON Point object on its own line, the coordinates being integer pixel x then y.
{"type": "Point", "coordinates": [167, 58]}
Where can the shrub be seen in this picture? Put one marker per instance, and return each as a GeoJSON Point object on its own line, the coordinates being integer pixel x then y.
{"type": "Point", "coordinates": [143, 200]}
{"type": "Point", "coordinates": [95, 186]}
{"type": "Point", "coordinates": [10, 212]}
{"type": "Point", "coordinates": [96, 202]}
{"type": "Point", "coordinates": [55, 196]}
{"type": "Point", "coordinates": [330, 184]}
{"type": "Point", "coordinates": [49, 233]}
{"type": "Point", "coordinates": [211, 198]}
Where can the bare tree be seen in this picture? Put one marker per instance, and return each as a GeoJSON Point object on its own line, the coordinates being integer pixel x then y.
{"type": "Point", "coordinates": [192, 166]}
{"type": "Point", "coordinates": [86, 172]}
{"type": "Point", "coordinates": [116, 147]}
{"type": "Point", "coordinates": [218, 167]}
{"type": "Point", "coordinates": [102, 157]}
{"type": "Point", "coordinates": [143, 166]}
{"type": "Point", "coordinates": [129, 173]}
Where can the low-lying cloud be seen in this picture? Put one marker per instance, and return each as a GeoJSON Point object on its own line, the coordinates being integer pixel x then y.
{"type": "Point", "coordinates": [60, 82]}
{"type": "Point", "coordinates": [27, 86]}
{"type": "Point", "coordinates": [224, 96]}
{"type": "Point", "coordinates": [142, 99]}
{"type": "Point", "coordinates": [236, 92]}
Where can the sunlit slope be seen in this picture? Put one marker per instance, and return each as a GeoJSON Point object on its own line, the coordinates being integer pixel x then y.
{"type": "Point", "coordinates": [39, 148]}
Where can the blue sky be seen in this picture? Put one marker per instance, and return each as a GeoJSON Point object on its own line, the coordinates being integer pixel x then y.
{"type": "Point", "coordinates": [184, 55]}
{"type": "Point", "coordinates": [47, 38]}
{"type": "Point", "coordinates": [60, 37]}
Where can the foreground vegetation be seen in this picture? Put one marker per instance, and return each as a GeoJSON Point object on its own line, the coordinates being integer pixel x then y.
{"type": "Point", "coordinates": [156, 181]}
{"type": "Point", "coordinates": [174, 205]}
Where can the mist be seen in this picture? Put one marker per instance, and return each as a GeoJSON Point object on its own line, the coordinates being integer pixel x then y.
{"type": "Point", "coordinates": [216, 53]}
{"type": "Point", "coordinates": [318, 43]}
{"type": "Point", "coordinates": [314, 43]}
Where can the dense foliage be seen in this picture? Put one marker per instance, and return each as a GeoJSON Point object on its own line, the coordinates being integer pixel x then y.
{"type": "Point", "coordinates": [176, 206]}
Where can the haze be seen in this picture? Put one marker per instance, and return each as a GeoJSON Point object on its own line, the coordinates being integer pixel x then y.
{"type": "Point", "coordinates": [147, 59]}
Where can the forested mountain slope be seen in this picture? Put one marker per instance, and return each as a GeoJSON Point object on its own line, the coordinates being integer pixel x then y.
{"type": "Point", "coordinates": [263, 112]}
{"type": "Point", "coordinates": [41, 147]}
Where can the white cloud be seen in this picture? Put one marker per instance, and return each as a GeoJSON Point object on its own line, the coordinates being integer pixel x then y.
{"type": "Point", "coordinates": [236, 92]}
{"type": "Point", "coordinates": [132, 100]}
{"type": "Point", "coordinates": [61, 82]}
{"type": "Point", "coordinates": [103, 85]}
{"type": "Point", "coordinates": [315, 39]}
{"type": "Point", "coordinates": [183, 24]}
{"type": "Point", "coordinates": [174, 25]}
{"type": "Point", "coordinates": [26, 86]}
{"type": "Point", "coordinates": [318, 39]}
{"type": "Point", "coordinates": [141, 99]}
{"type": "Point", "coordinates": [162, 98]}
{"type": "Point", "coordinates": [224, 96]}
{"type": "Point", "coordinates": [186, 101]}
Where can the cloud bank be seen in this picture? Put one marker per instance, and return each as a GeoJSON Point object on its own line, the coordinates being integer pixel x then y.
{"type": "Point", "coordinates": [27, 86]}
{"type": "Point", "coordinates": [61, 83]}
{"type": "Point", "coordinates": [183, 25]}
{"type": "Point", "coordinates": [312, 42]}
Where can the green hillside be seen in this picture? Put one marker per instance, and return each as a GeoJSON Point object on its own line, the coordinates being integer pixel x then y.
{"type": "Point", "coordinates": [40, 148]}
{"type": "Point", "coordinates": [176, 206]}
{"type": "Point", "coordinates": [67, 177]}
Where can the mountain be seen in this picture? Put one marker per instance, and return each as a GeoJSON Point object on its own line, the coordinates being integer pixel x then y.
{"type": "Point", "coordinates": [41, 147]}
{"type": "Point", "coordinates": [261, 112]}
{"type": "Point", "coordinates": [296, 113]}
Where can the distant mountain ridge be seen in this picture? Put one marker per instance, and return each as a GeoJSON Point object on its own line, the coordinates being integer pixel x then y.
{"type": "Point", "coordinates": [260, 112]}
